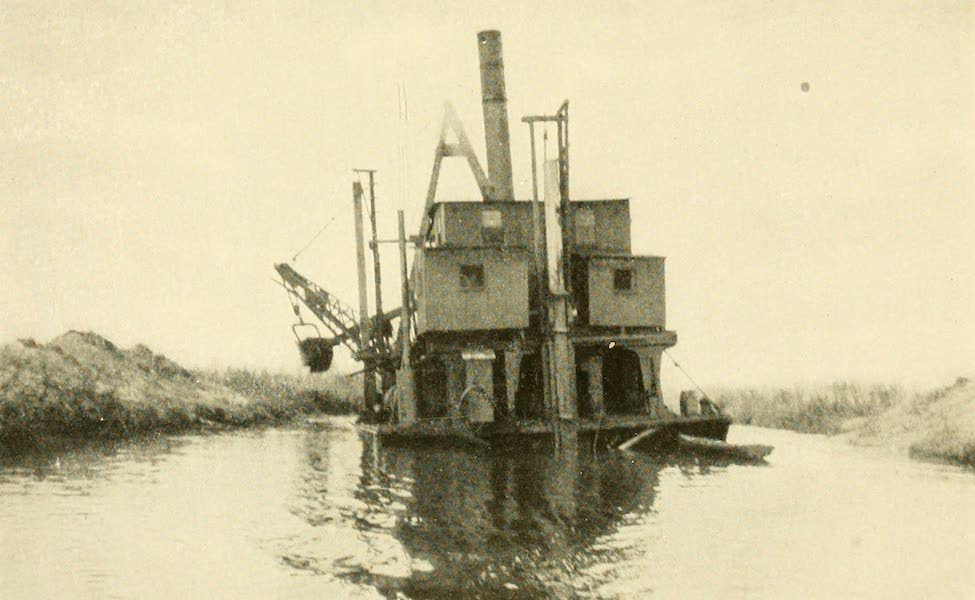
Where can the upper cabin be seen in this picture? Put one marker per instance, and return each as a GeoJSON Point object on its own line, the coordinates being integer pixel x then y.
{"type": "Point", "coordinates": [474, 272]}
{"type": "Point", "coordinates": [600, 226]}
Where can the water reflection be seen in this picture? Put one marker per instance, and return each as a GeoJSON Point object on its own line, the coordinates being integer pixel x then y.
{"type": "Point", "coordinates": [436, 522]}
{"type": "Point", "coordinates": [74, 465]}
{"type": "Point", "coordinates": [301, 513]}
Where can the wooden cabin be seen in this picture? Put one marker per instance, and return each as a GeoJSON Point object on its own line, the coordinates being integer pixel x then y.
{"type": "Point", "coordinates": [477, 310]}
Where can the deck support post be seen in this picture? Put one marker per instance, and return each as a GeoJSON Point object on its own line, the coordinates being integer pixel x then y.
{"type": "Point", "coordinates": [479, 385]}
{"type": "Point", "coordinates": [455, 384]}
{"type": "Point", "coordinates": [650, 370]}
{"type": "Point", "coordinates": [593, 365]}
{"type": "Point", "coordinates": [512, 373]}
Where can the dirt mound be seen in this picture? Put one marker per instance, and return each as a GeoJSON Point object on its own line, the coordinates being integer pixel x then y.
{"type": "Point", "coordinates": [83, 340]}
{"type": "Point", "coordinates": [81, 384]}
{"type": "Point", "coordinates": [938, 425]}
{"type": "Point", "coordinates": [156, 364]}
{"type": "Point", "coordinates": [87, 362]}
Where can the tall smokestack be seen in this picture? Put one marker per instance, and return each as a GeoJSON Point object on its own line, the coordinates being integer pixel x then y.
{"type": "Point", "coordinates": [496, 135]}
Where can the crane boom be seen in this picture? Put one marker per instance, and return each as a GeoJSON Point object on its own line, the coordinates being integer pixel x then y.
{"type": "Point", "coordinates": [339, 317]}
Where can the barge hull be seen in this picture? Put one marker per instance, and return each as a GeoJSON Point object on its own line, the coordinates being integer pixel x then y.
{"type": "Point", "coordinates": [515, 433]}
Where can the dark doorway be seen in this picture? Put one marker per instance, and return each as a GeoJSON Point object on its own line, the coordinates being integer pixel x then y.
{"type": "Point", "coordinates": [530, 397]}
{"type": "Point", "coordinates": [431, 388]}
{"type": "Point", "coordinates": [580, 288]}
{"type": "Point", "coordinates": [622, 381]}
{"type": "Point", "coordinates": [534, 302]}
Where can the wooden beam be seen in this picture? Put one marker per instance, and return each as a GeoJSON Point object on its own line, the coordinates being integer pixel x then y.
{"type": "Point", "coordinates": [633, 441]}
{"type": "Point", "coordinates": [451, 122]}
{"type": "Point", "coordinates": [365, 333]}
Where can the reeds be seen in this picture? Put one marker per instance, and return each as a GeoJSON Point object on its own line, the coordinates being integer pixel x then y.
{"type": "Point", "coordinates": [935, 425]}
{"type": "Point", "coordinates": [82, 386]}
{"type": "Point", "coordinates": [276, 391]}
{"type": "Point", "coordinates": [812, 409]}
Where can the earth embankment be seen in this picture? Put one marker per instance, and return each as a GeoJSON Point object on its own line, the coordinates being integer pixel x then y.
{"type": "Point", "coordinates": [81, 385]}
{"type": "Point", "coordinates": [937, 425]}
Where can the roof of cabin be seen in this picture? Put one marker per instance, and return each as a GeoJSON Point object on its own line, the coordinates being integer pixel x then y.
{"type": "Point", "coordinates": [526, 202]}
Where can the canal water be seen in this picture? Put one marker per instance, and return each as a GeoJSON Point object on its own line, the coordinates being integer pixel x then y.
{"type": "Point", "coordinates": [316, 513]}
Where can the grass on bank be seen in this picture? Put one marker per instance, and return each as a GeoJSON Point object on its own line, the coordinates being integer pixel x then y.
{"type": "Point", "coordinates": [935, 425]}
{"type": "Point", "coordinates": [811, 409]}
{"type": "Point", "coordinates": [938, 425]}
{"type": "Point", "coordinates": [82, 386]}
{"type": "Point", "coordinates": [328, 394]}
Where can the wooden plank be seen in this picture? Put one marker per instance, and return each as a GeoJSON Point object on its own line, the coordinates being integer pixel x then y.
{"type": "Point", "coordinates": [755, 452]}
{"type": "Point", "coordinates": [643, 435]}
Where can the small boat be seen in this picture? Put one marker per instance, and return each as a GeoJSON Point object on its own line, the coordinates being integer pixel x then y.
{"type": "Point", "coordinates": [668, 438]}
{"type": "Point", "coordinates": [753, 452]}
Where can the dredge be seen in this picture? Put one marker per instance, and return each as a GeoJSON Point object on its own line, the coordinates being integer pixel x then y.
{"type": "Point", "coordinates": [519, 319]}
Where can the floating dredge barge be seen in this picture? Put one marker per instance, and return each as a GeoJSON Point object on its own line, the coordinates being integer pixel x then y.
{"type": "Point", "coordinates": [520, 319]}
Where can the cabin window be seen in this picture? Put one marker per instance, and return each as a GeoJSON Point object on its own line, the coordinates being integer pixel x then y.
{"type": "Point", "coordinates": [472, 277]}
{"type": "Point", "coordinates": [623, 280]}
{"type": "Point", "coordinates": [585, 224]}
{"type": "Point", "coordinates": [492, 231]}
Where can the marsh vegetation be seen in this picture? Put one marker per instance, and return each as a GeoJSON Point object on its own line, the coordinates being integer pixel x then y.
{"type": "Point", "coordinates": [81, 385]}
{"type": "Point", "coordinates": [938, 424]}
{"type": "Point", "coordinates": [808, 409]}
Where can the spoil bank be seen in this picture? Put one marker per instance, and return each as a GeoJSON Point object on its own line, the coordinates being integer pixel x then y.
{"type": "Point", "coordinates": [935, 425]}
{"type": "Point", "coordinates": [80, 385]}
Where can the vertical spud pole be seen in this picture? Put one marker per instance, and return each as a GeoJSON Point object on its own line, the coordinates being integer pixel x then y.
{"type": "Point", "coordinates": [365, 335]}
{"type": "Point", "coordinates": [404, 319]}
{"type": "Point", "coordinates": [406, 403]}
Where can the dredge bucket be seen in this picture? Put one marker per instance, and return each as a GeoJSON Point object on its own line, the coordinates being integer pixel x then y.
{"type": "Point", "coordinates": [316, 354]}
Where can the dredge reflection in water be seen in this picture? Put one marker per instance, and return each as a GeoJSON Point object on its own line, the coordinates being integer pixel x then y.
{"type": "Point", "coordinates": [318, 513]}
{"type": "Point", "coordinates": [475, 522]}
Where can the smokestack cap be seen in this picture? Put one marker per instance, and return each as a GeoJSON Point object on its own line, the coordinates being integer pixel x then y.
{"type": "Point", "coordinates": [489, 34]}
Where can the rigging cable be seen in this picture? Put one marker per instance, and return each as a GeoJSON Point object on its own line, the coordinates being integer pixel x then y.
{"type": "Point", "coordinates": [403, 142]}
{"type": "Point", "coordinates": [406, 148]}
{"type": "Point", "coordinates": [399, 145]}
{"type": "Point", "coordinates": [313, 238]}
{"type": "Point", "coordinates": [292, 299]}
{"type": "Point", "coordinates": [686, 374]}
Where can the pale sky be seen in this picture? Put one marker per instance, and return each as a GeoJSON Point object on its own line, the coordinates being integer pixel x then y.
{"type": "Point", "coordinates": [156, 160]}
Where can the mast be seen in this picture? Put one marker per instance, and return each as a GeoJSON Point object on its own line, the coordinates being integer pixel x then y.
{"type": "Point", "coordinates": [365, 330]}
{"type": "Point", "coordinates": [561, 354]}
{"type": "Point", "coordinates": [553, 254]}
{"type": "Point", "coordinates": [404, 377]}
{"type": "Point", "coordinates": [374, 245]}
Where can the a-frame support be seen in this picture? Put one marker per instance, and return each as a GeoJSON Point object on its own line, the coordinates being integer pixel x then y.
{"type": "Point", "coordinates": [451, 122]}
